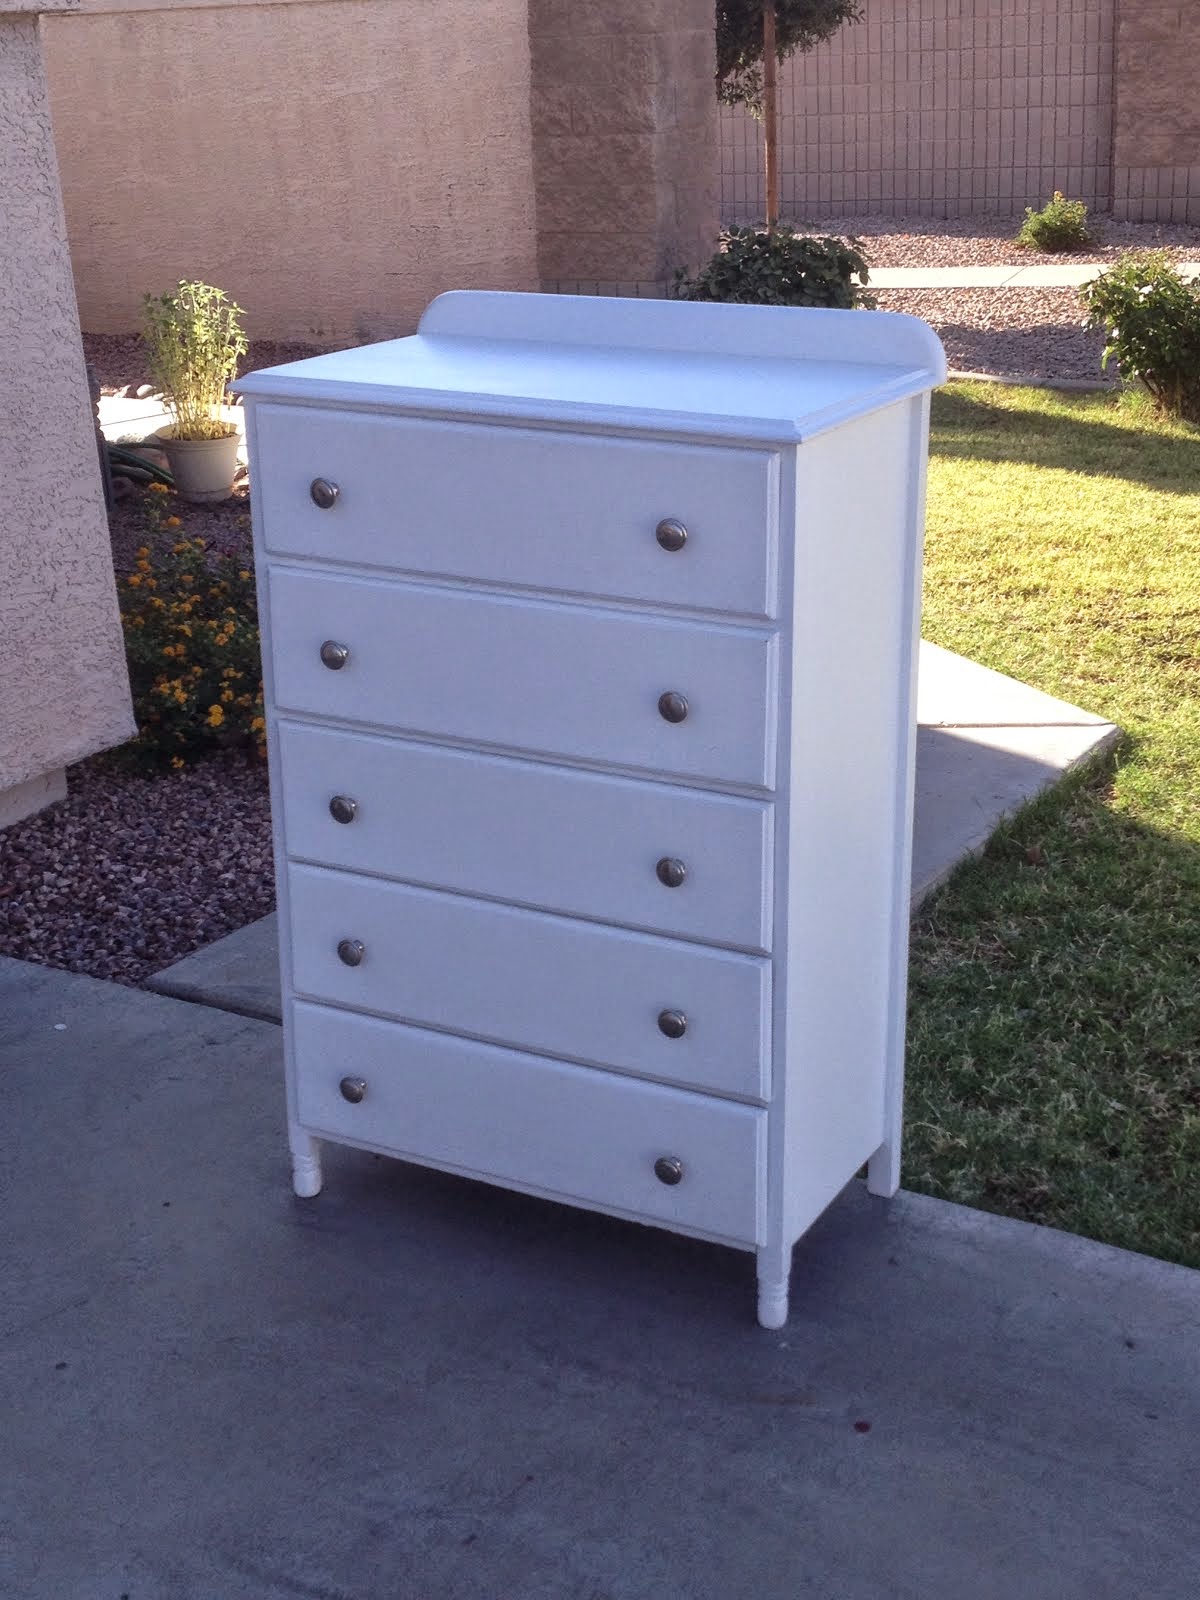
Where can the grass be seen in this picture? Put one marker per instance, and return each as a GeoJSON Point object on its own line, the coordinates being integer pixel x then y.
{"type": "Point", "coordinates": [1054, 1038]}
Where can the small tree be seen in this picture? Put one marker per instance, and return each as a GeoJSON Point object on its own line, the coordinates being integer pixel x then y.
{"type": "Point", "coordinates": [753, 37]}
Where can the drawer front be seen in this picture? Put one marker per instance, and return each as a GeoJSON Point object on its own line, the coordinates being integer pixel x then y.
{"type": "Point", "coordinates": [527, 675]}
{"type": "Point", "coordinates": [567, 1131]}
{"type": "Point", "coordinates": [515, 507]}
{"type": "Point", "coordinates": [541, 836]}
{"type": "Point", "coordinates": [534, 981]}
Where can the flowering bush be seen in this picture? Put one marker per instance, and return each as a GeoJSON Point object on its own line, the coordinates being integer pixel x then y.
{"type": "Point", "coordinates": [191, 639]}
{"type": "Point", "coordinates": [1060, 225]}
{"type": "Point", "coordinates": [1151, 317]}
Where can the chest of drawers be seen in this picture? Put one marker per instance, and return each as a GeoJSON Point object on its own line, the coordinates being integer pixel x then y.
{"type": "Point", "coordinates": [589, 644]}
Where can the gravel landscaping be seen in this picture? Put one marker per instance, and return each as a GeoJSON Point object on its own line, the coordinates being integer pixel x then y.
{"type": "Point", "coordinates": [131, 873]}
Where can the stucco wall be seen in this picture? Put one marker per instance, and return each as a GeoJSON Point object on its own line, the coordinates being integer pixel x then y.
{"type": "Point", "coordinates": [332, 164]}
{"type": "Point", "coordinates": [1156, 166]}
{"type": "Point", "coordinates": [64, 692]}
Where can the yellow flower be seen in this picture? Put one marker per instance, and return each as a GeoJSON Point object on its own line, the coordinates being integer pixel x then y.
{"type": "Point", "coordinates": [243, 576]}
{"type": "Point", "coordinates": [257, 724]}
{"type": "Point", "coordinates": [226, 696]}
{"type": "Point", "coordinates": [216, 716]}
{"type": "Point", "coordinates": [186, 577]}
{"type": "Point", "coordinates": [158, 488]}
{"type": "Point", "coordinates": [177, 549]}
{"type": "Point", "coordinates": [143, 550]}
{"type": "Point", "coordinates": [134, 581]}
{"type": "Point", "coordinates": [174, 522]}
{"type": "Point", "coordinates": [177, 762]}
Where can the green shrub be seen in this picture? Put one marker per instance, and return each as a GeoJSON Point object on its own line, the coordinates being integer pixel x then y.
{"type": "Point", "coordinates": [1060, 225]}
{"type": "Point", "coordinates": [779, 267]}
{"type": "Point", "coordinates": [191, 640]}
{"type": "Point", "coordinates": [1151, 318]}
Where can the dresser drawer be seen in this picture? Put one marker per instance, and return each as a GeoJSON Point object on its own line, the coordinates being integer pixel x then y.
{"type": "Point", "coordinates": [570, 1132]}
{"type": "Point", "coordinates": [649, 1006]}
{"type": "Point", "coordinates": [527, 675]}
{"type": "Point", "coordinates": [515, 507]}
{"type": "Point", "coordinates": [541, 836]}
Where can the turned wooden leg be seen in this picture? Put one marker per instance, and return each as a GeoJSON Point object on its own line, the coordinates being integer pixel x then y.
{"type": "Point", "coordinates": [774, 1271]}
{"type": "Point", "coordinates": [306, 1163]}
{"type": "Point", "coordinates": [883, 1170]}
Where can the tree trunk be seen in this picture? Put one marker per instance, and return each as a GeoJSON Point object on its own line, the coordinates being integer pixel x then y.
{"type": "Point", "coordinates": [771, 112]}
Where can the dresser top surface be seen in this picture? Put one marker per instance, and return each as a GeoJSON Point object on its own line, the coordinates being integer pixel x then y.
{"type": "Point", "coordinates": [769, 374]}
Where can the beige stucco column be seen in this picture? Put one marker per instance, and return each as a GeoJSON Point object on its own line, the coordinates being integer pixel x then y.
{"type": "Point", "coordinates": [625, 140]}
{"type": "Point", "coordinates": [64, 690]}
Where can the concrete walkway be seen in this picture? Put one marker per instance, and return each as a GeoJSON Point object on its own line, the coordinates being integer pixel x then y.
{"type": "Point", "coordinates": [426, 1389]}
{"type": "Point", "coordinates": [1040, 275]}
{"type": "Point", "coordinates": [985, 746]}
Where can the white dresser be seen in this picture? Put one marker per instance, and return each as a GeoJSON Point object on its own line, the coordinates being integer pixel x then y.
{"type": "Point", "coordinates": [590, 640]}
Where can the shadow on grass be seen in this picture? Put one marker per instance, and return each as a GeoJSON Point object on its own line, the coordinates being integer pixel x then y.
{"type": "Point", "coordinates": [1054, 1027]}
{"type": "Point", "coordinates": [1094, 434]}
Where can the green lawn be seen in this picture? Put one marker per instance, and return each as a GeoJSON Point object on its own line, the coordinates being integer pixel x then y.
{"type": "Point", "coordinates": [1054, 1039]}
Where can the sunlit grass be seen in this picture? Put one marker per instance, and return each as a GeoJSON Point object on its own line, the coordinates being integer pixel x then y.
{"type": "Point", "coordinates": [1054, 1053]}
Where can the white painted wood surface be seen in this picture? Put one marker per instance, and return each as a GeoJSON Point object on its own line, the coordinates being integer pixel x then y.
{"type": "Point", "coordinates": [539, 510]}
{"type": "Point", "coordinates": [514, 785]}
{"type": "Point", "coordinates": [559, 679]}
{"type": "Point", "coordinates": [548, 1126]}
{"type": "Point", "coordinates": [532, 834]}
{"type": "Point", "coordinates": [546, 983]}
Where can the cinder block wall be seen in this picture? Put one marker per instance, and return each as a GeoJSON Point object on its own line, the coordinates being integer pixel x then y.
{"type": "Point", "coordinates": [1156, 166]}
{"type": "Point", "coordinates": [625, 141]}
{"type": "Point", "coordinates": [943, 107]}
{"type": "Point", "coordinates": [333, 164]}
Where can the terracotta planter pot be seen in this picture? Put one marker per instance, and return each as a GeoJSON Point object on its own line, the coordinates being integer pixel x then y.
{"type": "Point", "coordinates": [204, 469]}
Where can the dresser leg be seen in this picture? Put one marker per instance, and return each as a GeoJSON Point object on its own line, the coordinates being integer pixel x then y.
{"type": "Point", "coordinates": [774, 1271]}
{"type": "Point", "coordinates": [306, 1164]}
{"type": "Point", "coordinates": [883, 1170]}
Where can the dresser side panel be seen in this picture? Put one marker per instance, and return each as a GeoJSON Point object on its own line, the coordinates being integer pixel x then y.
{"type": "Point", "coordinates": [848, 822]}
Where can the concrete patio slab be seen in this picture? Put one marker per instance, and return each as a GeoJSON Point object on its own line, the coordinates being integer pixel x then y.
{"type": "Point", "coordinates": [416, 1386]}
{"type": "Point", "coordinates": [986, 746]}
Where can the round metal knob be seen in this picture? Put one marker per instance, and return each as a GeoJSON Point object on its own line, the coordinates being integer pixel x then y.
{"type": "Point", "coordinates": [672, 1023]}
{"type": "Point", "coordinates": [671, 872]}
{"type": "Point", "coordinates": [669, 1170]}
{"type": "Point", "coordinates": [670, 534]}
{"type": "Point", "coordinates": [342, 808]}
{"type": "Point", "coordinates": [351, 952]}
{"type": "Point", "coordinates": [353, 1089]}
{"type": "Point", "coordinates": [673, 707]}
{"type": "Point", "coordinates": [323, 493]}
{"type": "Point", "coordinates": [334, 655]}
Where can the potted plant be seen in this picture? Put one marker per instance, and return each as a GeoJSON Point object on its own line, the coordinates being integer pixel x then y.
{"type": "Point", "coordinates": [194, 338]}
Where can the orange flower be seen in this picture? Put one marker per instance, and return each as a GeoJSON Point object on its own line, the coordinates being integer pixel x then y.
{"type": "Point", "coordinates": [174, 522]}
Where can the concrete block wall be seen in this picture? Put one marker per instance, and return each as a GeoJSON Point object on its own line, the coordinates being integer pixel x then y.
{"type": "Point", "coordinates": [625, 141]}
{"type": "Point", "coordinates": [1156, 162]}
{"type": "Point", "coordinates": [941, 107]}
